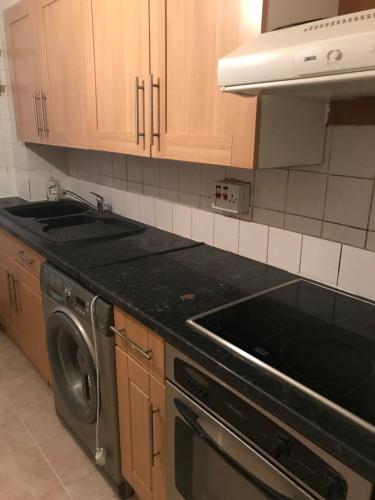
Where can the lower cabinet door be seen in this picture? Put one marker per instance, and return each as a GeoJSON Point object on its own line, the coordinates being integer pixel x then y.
{"type": "Point", "coordinates": [8, 312]}
{"type": "Point", "coordinates": [141, 400]}
{"type": "Point", "coordinates": [157, 394]}
{"type": "Point", "coordinates": [31, 331]}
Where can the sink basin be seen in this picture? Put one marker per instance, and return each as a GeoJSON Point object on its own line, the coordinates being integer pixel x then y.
{"type": "Point", "coordinates": [89, 226]}
{"type": "Point", "coordinates": [68, 221]}
{"type": "Point", "coordinates": [47, 209]}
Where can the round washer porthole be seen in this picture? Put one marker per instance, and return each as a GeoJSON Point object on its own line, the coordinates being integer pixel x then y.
{"type": "Point", "coordinates": [72, 366]}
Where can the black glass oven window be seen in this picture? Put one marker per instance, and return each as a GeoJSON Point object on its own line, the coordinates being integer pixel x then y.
{"type": "Point", "coordinates": [201, 473]}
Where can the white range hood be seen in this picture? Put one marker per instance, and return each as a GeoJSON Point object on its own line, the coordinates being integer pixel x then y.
{"type": "Point", "coordinates": [333, 57]}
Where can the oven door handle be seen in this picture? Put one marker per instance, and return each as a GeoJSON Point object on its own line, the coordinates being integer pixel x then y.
{"type": "Point", "coordinates": [192, 419]}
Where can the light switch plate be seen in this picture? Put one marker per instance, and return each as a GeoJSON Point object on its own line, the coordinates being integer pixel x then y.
{"type": "Point", "coordinates": [231, 196]}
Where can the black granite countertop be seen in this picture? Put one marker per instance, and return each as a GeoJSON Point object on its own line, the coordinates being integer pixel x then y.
{"type": "Point", "coordinates": [164, 290]}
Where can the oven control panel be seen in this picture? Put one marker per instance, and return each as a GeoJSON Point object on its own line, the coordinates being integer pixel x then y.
{"type": "Point", "coordinates": [269, 437]}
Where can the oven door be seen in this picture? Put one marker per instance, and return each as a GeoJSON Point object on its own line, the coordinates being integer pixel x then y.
{"type": "Point", "coordinates": [207, 461]}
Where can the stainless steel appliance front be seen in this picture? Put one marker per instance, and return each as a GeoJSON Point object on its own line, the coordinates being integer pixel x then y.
{"type": "Point", "coordinates": [210, 459]}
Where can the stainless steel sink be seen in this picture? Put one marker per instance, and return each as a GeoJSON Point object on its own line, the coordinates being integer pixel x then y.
{"type": "Point", "coordinates": [68, 221]}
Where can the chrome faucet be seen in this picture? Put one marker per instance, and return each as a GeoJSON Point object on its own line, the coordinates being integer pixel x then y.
{"type": "Point", "coordinates": [100, 205]}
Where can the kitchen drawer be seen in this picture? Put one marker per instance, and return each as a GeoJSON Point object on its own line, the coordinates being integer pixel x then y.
{"type": "Point", "coordinates": [23, 254]}
{"type": "Point", "coordinates": [142, 344]}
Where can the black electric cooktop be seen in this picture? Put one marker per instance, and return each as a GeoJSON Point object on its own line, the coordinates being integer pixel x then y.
{"type": "Point", "coordinates": [319, 338]}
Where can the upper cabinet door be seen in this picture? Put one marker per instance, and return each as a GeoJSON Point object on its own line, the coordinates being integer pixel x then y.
{"type": "Point", "coordinates": [191, 118]}
{"type": "Point", "coordinates": [23, 59]}
{"type": "Point", "coordinates": [117, 53]}
{"type": "Point", "coordinates": [62, 68]}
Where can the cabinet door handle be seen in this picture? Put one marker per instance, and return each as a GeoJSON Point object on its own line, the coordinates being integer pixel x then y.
{"type": "Point", "coordinates": [152, 412]}
{"type": "Point", "coordinates": [9, 288]}
{"type": "Point", "coordinates": [16, 302]}
{"type": "Point", "coordinates": [43, 100]}
{"type": "Point", "coordinates": [154, 134]}
{"type": "Point", "coordinates": [21, 254]}
{"type": "Point", "coordinates": [133, 345]}
{"type": "Point", "coordinates": [36, 100]}
{"type": "Point", "coordinates": [138, 133]}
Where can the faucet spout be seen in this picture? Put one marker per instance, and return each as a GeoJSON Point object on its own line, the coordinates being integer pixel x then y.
{"type": "Point", "coordinates": [99, 203]}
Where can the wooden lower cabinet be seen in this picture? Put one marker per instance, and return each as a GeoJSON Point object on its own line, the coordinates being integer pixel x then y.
{"type": "Point", "coordinates": [21, 307]}
{"type": "Point", "coordinates": [8, 313]}
{"type": "Point", "coordinates": [141, 399]}
{"type": "Point", "coordinates": [31, 325]}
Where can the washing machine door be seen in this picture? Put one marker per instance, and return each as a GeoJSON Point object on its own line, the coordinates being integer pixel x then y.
{"type": "Point", "coordinates": [72, 365]}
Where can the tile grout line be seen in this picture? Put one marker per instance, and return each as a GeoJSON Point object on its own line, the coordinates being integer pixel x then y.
{"type": "Point", "coordinates": [37, 445]}
{"type": "Point", "coordinates": [339, 266]}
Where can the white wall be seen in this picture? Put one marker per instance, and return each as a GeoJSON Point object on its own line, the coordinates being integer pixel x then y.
{"type": "Point", "coordinates": [7, 125]}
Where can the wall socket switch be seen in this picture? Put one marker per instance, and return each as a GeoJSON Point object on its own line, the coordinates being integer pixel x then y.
{"type": "Point", "coordinates": [232, 196]}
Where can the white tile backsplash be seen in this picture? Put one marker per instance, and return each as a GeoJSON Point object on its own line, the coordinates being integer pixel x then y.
{"type": "Point", "coordinates": [119, 201]}
{"type": "Point", "coordinates": [147, 210]}
{"type": "Point", "coordinates": [320, 260]}
{"type": "Point", "coordinates": [284, 249]}
{"type": "Point", "coordinates": [164, 215]}
{"type": "Point", "coordinates": [357, 271]}
{"type": "Point", "coordinates": [203, 226]}
{"type": "Point", "coordinates": [226, 233]}
{"type": "Point", "coordinates": [253, 242]}
{"type": "Point", "coordinates": [132, 205]}
{"type": "Point", "coordinates": [181, 222]}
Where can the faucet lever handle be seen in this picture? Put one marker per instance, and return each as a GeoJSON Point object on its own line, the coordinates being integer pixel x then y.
{"type": "Point", "coordinates": [98, 196]}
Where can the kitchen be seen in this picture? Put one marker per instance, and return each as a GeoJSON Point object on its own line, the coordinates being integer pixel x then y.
{"type": "Point", "coordinates": [187, 266]}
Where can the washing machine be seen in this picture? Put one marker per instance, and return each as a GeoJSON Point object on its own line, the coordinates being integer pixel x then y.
{"type": "Point", "coordinates": [81, 355]}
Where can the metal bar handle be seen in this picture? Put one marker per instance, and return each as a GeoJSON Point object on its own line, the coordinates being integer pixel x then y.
{"type": "Point", "coordinates": [154, 134]}
{"type": "Point", "coordinates": [133, 345]}
{"type": "Point", "coordinates": [138, 133]}
{"type": "Point", "coordinates": [21, 254]}
{"type": "Point", "coordinates": [9, 289]}
{"type": "Point", "coordinates": [43, 100]}
{"type": "Point", "coordinates": [36, 100]}
{"type": "Point", "coordinates": [152, 412]}
{"type": "Point", "coordinates": [16, 303]}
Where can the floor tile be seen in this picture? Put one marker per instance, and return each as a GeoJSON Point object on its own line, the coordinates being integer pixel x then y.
{"type": "Point", "coordinates": [14, 438]}
{"type": "Point", "coordinates": [66, 458]}
{"type": "Point", "coordinates": [58, 493]}
{"type": "Point", "coordinates": [25, 390]}
{"type": "Point", "coordinates": [26, 475]}
{"type": "Point", "coordinates": [41, 419]}
{"type": "Point", "coordinates": [5, 406]}
{"type": "Point", "coordinates": [7, 347]}
{"type": "Point", "coordinates": [13, 367]}
{"type": "Point", "coordinates": [90, 485]}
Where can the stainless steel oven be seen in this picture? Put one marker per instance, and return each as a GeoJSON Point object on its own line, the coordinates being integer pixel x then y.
{"type": "Point", "coordinates": [222, 446]}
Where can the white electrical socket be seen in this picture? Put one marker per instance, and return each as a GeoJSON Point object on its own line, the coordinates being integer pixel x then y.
{"type": "Point", "coordinates": [231, 196]}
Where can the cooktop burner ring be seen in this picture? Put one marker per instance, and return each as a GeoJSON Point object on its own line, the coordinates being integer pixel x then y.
{"type": "Point", "coordinates": [273, 328]}
{"type": "Point", "coordinates": [336, 367]}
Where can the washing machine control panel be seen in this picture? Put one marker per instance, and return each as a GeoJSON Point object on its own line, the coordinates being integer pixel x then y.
{"type": "Point", "coordinates": [81, 306]}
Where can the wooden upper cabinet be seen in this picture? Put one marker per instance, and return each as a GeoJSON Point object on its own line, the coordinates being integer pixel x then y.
{"type": "Point", "coordinates": [24, 69]}
{"type": "Point", "coordinates": [59, 24]}
{"type": "Point", "coordinates": [117, 55]}
{"type": "Point", "coordinates": [194, 119]}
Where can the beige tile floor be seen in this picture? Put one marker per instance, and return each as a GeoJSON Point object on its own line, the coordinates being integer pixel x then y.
{"type": "Point", "coordinates": [38, 458]}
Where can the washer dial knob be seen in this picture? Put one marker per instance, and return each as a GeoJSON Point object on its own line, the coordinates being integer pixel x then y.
{"type": "Point", "coordinates": [67, 294]}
